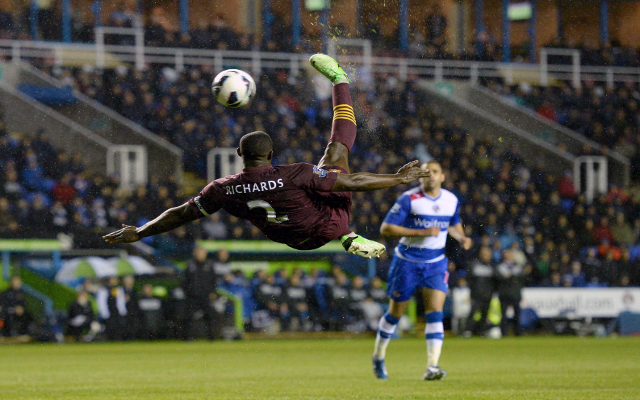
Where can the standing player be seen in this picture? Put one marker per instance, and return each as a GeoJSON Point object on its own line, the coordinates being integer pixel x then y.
{"type": "Point", "coordinates": [421, 217]}
{"type": "Point", "coordinates": [301, 205]}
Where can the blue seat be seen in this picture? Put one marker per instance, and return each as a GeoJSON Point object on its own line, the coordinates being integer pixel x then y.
{"type": "Point", "coordinates": [49, 95]}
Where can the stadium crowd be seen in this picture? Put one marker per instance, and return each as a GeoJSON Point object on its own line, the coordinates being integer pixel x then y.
{"type": "Point", "coordinates": [607, 115]}
{"type": "Point", "coordinates": [281, 301]}
{"type": "Point", "coordinates": [553, 235]}
{"type": "Point", "coordinates": [506, 202]}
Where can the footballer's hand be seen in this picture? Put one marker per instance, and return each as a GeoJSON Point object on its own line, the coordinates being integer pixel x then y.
{"type": "Point", "coordinates": [467, 243]}
{"type": "Point", "coordinates": [412, 171]}
{"type": "Point", "coordinates": [127, 234]}
{"type": "Point", "coordinates": [433, 231]}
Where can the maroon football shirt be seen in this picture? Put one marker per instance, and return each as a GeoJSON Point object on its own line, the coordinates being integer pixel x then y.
{"type": "Point", "coordinates": [291, 204]}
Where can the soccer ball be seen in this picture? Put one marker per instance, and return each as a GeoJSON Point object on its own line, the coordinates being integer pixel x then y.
{"type": "Point", "coordinates": [233, 88]}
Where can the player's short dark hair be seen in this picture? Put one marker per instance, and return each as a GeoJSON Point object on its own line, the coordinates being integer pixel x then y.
{"type": "Point", "coordinates": [256, 145]}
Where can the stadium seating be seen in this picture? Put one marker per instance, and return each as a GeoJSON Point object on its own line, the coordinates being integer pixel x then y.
{"type": "Point", "coordinates": [607, 115]}
{"type": "Point", "coordinates": [396, 128]}
{"type": "Point", "coordinates": [506, 202]}
{"type": "Point", "coordinates": [522, 203]}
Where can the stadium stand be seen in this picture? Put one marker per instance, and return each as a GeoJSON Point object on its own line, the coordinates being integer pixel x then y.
{"type": "Point", "coordinates": [494, 183]}
{"type": "Point", "coordinates": [508, 201]}
{"type": "Point", "coordinates": [607, 115]}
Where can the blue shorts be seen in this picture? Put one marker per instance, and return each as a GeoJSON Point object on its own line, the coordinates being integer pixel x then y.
{"type": "Point", "coordinates": [406, 276]}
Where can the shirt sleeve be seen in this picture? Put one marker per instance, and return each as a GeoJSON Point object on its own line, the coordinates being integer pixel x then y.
{"type": "Point", "coordinates": [311, 177]}
{"type": "Point", "coordinates": [398, 213]}
{"type": "Point", "coordinates": [455, 219]}
{"type": "Point", "coordinates": [206, 202]}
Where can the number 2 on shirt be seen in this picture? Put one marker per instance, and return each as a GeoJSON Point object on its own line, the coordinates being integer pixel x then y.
{"type": "Point", "coordinates": [271, 213]}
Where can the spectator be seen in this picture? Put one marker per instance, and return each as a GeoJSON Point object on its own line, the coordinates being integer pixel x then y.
{"type": "Point", "coordinates": [339, 302]}
{"type": "Point", "coordinates": [630, 268]}
{"type": "Point", "coordinates": [132, 324]}
{"type": "Point", "coordinates": [270, 299]}
{"type": "Point", "coordinates": [609, 272]}
{"type": "Point", "coordinates": [112, 308]}
{"type": "Point", "coordinates": [177, 243]}
{"type": "Point", "coordinates": [5, 214]}
{"type": "Point", "coordinates": [555, 280]}
{"type": "Point", "coordinates": [436, 24]}
{"type": "Point", "coordinates": [222, 267]}
{"type": "Point", "coordinates": [83, 236]}
{"type": "Point", "coordinates": [214, 228]}
{"type": "Point", "coordinates": [64, 191]}
{"type": "Point", "coordinates": [81, 319]}
{"type": "Point", "coordinates": [358, 295]}
{"type": "Point", "coordinates": [12, 189]}
{"type": "Point", "coordinates": [565, 186]}
{"type": "Point", "coordinates": [377, 293]}
{"type": "Point", "coordinates": [592, 265]}
{"type": "Point", "coordinates": [509, 292]}
{"type": "Point", "coordinates": [151, 314]}
{"type": "Point", "coordinates": [13, 310]}
{"type": "Point", "coordinates": [603, 232]}
{"type": "Point", "coordinates": [177, 314]}
{"type": "Point", "coordinates": [296, 298]}
{"type": "Point", "coordinates": [482, 280]}
{"type": "Point", "coordinates": [576, 277]}
{"type": "Point", "coordinates": [39, 221]}
{"type": "Point", "coordinates": [622, 232]}
{"type": "Point", "coordinates": [60, 219]}
{"type": "Point", "coordinates": [200, 287]}
{"type": "Point", "coordinates": [33, 175]}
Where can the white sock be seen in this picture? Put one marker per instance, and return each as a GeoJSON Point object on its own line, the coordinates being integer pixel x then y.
{"type": "Point", "coordinates": [386, 328]}
{"type": "Point", "coordinates": [342, 79]}
{"type": "Point", "coordinates": [434, 334]}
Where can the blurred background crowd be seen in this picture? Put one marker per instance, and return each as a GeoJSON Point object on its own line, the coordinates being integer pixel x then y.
{"type": "Point", "coordinates": [530, 226]}
{"type": "Point", "coordinates": [505, 203]}
{"type": "Point", "coordinates": [196, 307]}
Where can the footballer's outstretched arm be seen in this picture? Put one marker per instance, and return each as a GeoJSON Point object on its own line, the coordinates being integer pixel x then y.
{"type": "Point", "coordinates": [165, 222]}
{"type": "Point", "coordinates": [365, 181]}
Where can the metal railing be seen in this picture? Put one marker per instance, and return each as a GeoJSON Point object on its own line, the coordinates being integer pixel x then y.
{"type": "Point", "coordinates": [595, 176]}
{"type": "Point", "coordinates": [575, 64]}
{"type": "Point", "coordinates": [256, 61]}
{"type": "Point", "coordinates": [137, 33]}
{"type": "Point", "coordinates": [222, 162]}
{"type": "Point", "coordinates": [130, 163]}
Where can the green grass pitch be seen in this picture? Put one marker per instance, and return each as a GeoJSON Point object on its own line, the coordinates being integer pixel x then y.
{"type": "Point", "coordinates": [524, 368]}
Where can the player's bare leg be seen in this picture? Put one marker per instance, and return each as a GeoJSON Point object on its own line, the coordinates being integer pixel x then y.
{"type": "Point", "coordinates": [433, 331]}
{"type": "Point", "coordinates": [335, 155]}
{"type": "Point", "coordinates": [343, 129]}
{"type": "Point", "coordinates": [398, 308]}
{"type": "Point", "coordinates": [343, 135]}
{"type": "Point", "coordinates": [386, 329]}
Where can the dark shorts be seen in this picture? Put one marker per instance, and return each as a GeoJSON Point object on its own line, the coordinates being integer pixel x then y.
{"type": "Point", "coordinates": [406, 276]}
{"type": "Point", "coordinates": [336, 225]}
